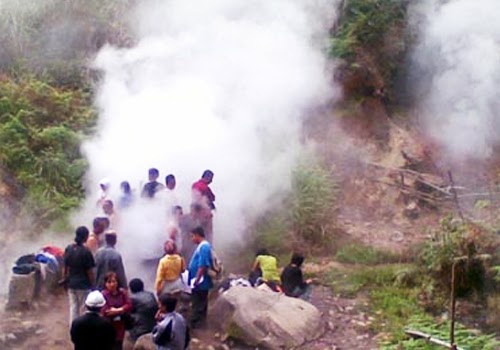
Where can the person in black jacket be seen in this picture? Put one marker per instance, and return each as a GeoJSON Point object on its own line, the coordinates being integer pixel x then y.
{"type": "Point", "coordinates": [292, 281]}
{"type": "Point", "coordinates": [144, 308]}
{"type": "Point", "coordinates": [91, 331]}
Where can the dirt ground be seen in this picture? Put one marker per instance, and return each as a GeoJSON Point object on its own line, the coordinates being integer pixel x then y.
{"type": "Point", "coordinates": [45, 326]}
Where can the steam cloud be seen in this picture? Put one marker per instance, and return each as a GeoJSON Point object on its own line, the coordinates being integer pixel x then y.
{"type": "Point", "coordinates": [459, 56]}
{"type": "Point", "coordinates": [220, 85]}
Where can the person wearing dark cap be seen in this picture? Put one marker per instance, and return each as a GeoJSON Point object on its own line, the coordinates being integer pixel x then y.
{"type": "Point", "coordinates": [108, 259]}
{"type": "Point", "coordinates": [78, 272]}
{"type": "Point", "coordinates": [91, 331]}
{"type": "Point", "coordinates": [152, 187]}
{"type": "Point", "coordinates": [144, 308]}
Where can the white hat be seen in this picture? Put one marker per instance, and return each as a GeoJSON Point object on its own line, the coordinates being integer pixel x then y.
{"type": "Point", "coordinates": [95, 299]}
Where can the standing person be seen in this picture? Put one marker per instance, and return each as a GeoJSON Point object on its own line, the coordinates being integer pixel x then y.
{"type": "Point", "coordinates": [168, 273]}
{"type": "Point", "coordinates": [292, 279]}
{"type": "Point", "coordinates": [169, 192]}
{"type": "Point", "coordinates": [187, 223]}
{"type": "Point", "coordinates": [104, 186]}
{"type": "Point", "coordinates": [199, 278]}
{"type": "Point", "coordinates": [152, 187]}
{"type": "Point", "coordinates": [172, 332]}
{"type": "Point", "coordinates": [91, 331]}
{"type": "Point", "coordinates": [96, 239]}
{"type": "Point", "coordinates": [144, 309]}
{"type": "Point", "coordinates": [108, 208]}
{"type": "Point", "coordinates": [173, 227]}
{"type": "Point", "coordinates": [201, 190]}
{"type": "Point", "coordinates": [78, 272]}
{"type": "Point", "coordinates": [108, 259]}
{"type": "Point", "coordinates": [118, 304]}
{"type": "Point", "coordinates": [127, 197]}
{"type": "Point", "coordinates": [203, 196]}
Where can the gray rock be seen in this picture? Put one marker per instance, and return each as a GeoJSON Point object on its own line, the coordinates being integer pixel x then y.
{"type": "Point", "coordinates": [267, 319]}
{"type": "Point", "coordinates": [21, 291]}
{"type": "Point", "coordinates": [145, 342]}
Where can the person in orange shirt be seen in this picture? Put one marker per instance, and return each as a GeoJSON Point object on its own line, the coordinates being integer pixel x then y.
{"type": "Point", "coordinates": [170, 268]}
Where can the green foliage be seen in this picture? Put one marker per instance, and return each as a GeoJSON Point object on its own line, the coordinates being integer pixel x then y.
{"type": "Point", "coordinates": [312, 204]}
{"type": "Point", "coordinates": [361, 254]}
{"type": "Point", "coordinates": [464, 338]}
{"type": "Point", "coordinates": [54, 38]}
{"type": "Point", "coordinates": [364, 23]}
{"type": "Point", "coordinates": [305, 215]}
{"type": "Point", "coordinates": [455, 239]}
{"type": "Point", "coordinates": [349, 283]}
{"type": "Point", "coordinates": [40, 134]}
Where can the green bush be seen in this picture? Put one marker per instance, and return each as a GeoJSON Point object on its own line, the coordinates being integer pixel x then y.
{"type": "Point", "coordinates": [454, 240]}
{"type": "Point", "coordinates": [41, 128]}
{"type": "Point", "coordinates": [312, 204]}
{"type": "Point", "coordinates": [364, 23]}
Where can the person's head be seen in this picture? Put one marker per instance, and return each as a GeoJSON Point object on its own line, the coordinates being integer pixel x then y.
{"type": "Point", "coordinates": [136, 285]}
{"type": "Point", "coordinates": [107, 207]}
{"type": "Point", "coordinates": [110, 238]}
{"type": "Point", "coordinates": [262, 251]}
{"type": "Point", "coordinates": [207, 176]}
{"type": "Point", "coordinates": [99, 225]}
{"type": "Point", "coordinates": [153, 174]}
{"type": "Point", "coordinates": [197, 234]}
{"type": "Point", "coordinates": [95, 301]}
{"type": "Point", "coordinates": [177, 211]}
{"type": "Point", "coordinates": [170, 181]}
{"type": "Point", "coordinates": [105, 223]}
{"type": "Point", "coordinates": [167, 303]}
{"type": "Point", "coordinates": [81, 235]}
{"type": "Point", "coordinates": [111, 282]}
{"type": "Point", "coordinates": [170, 247]}
{"type": "Point", "coordinates": [104, 185]}
{"type": "Point", "coordinates": [125, 187]}
{"type": "Point", "coordinates": [297, 259]}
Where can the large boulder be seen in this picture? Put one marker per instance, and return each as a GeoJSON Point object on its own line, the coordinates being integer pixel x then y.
{"type": "Point", "coordinates": [267, 319]}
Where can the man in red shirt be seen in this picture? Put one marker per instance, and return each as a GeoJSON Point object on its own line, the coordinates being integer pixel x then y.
{"type": "Point", "coordinates": [201, 191]}
{"type": "Point", "coordinates": [203, 199]}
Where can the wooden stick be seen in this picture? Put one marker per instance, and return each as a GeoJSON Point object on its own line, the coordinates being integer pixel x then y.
{"type": "Point", "coordinates": [455, 198]}
{"type": "Point", "coordinates": [430, 339]}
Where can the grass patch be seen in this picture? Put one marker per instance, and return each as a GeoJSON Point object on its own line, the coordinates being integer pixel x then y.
{"type": "Point", "coordinates": [350, 282]}
{"type": "Point", "coordinates": [361, 254]}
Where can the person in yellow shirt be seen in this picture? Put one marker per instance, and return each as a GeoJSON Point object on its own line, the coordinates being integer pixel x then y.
{"type": "Point", "coordinates": [268, 265]}
{"type": "Point", "coordinates": [170, 268]}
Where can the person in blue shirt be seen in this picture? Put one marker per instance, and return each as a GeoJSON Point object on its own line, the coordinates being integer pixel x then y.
{"type": "Point", "coordinates": [199, 278]}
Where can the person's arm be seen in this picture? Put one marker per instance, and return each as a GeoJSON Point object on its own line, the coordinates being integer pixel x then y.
{"type": "Point", "coordinates": [256, 264]}
{"type": "Point", "coordinates": [162, 333]}
{"type": "Point", "coordinates": [199, 274]}
{"type": "Point", "coordinates": [188, 338]}
{"type": "Point", "coordinates": [205, 261]}
{"type": "Point", "coordinates": [90, 268]}
{"type": "Point", "coordinates": [159, 278]}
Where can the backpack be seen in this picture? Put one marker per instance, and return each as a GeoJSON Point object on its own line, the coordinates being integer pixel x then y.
{"type": "Point", "coordinates": [216, 269]}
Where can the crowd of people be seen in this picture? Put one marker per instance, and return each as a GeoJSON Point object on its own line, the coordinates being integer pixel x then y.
{"type": "Point", "coordinates": [95, 278]}
{"type": "Point", "coordinates": [94, 272]}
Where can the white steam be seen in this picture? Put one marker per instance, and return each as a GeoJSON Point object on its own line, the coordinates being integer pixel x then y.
{"type": "Point", "coordinates": [460, 49]}
{"type": "Point", "coordinates": [220, 85]}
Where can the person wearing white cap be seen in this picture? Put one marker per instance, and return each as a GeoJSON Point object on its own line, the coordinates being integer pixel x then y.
{"type": "Point", "coordinates": [91, 331]}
